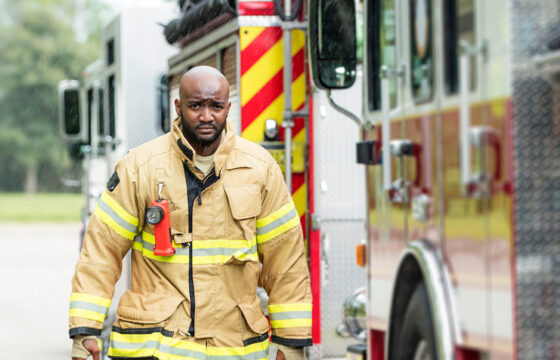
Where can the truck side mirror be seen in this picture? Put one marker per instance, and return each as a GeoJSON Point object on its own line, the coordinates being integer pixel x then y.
{"type": "Point", "coordinates": [332, 43]}
{"type": "Point", "coordinates": [71, 127]}
{"type": "Point", "coordinates": [163, 104]}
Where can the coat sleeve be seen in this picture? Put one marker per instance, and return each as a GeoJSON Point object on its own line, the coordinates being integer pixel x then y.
{"type": "Point", "coordinates": [109, 236]}
{"type": "Point", "coordinates": [284, 275]}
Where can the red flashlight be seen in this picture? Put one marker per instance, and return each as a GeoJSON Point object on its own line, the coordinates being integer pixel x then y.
{"type": "Point", "coordinates": [158, 215]}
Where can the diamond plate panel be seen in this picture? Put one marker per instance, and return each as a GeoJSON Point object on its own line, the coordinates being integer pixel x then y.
{"type": "Point", "coordinates": [340, 205]}
{"type": "Point", "coordinates": [536, 101]}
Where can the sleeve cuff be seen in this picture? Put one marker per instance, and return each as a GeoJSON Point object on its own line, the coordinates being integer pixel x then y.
{"type": "Point", "coordinates": [83, 331]}
{"type": "Point", "coordinates": [291, 342]}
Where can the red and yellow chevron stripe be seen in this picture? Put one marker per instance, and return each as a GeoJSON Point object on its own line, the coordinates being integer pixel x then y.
{"type": "Point", "coordinates": [262, 90]}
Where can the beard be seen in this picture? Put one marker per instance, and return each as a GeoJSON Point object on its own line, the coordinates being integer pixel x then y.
{"type": "Point", "coordinates": [193, 138]}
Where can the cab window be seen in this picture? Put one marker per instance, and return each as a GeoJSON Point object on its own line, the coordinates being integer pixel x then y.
{"type": "Point", "coordinates": [381, 48]}
{"type": "Point", "coordinates": [421, 59]}
{"type": "Point", "coordinates": [459, 23]}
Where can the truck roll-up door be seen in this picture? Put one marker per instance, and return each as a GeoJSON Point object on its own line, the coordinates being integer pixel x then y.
{"type": "Point", "coordinates": [229, 69]}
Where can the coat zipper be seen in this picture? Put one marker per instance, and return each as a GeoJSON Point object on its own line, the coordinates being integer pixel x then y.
{"type": "Point", "coordinates": [199, 185]}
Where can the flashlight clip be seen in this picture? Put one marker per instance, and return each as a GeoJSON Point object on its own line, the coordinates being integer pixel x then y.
{"type": "Point", "coordinates": [160, 184]}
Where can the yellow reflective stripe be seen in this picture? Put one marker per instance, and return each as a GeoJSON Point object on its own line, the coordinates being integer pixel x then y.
{"type": "Point", "coordinates": [290, 315]}
{"type": "Point", "coordinates": [181, 255]}
{"type": "Point", "coordinates": [290, 323]}
{"type": "Point", "coordinates": [274, 308]}
{"type": "Point", "coordinates": [107, 199]}
{"type": "Point", "coordinates": [232, 351]}
{"type": "Point", "coordinates": [87, 314]}
{"type": "Point", "coordinates": [278, 231]}
{"type": "Point", "coordinates": [275, 215]}
{"type": "Point", "coordinates": [113, 224]}
{"type": "Point", "coordinates": [164, 347]}
{"type": "Point", "coordinates": [178, 259]}
{"type": "Point", "coordinates": [224, 243]}
{"type": "Point", "coordinates": [277, 223]}
{"type": "Point", "coordinates": [197, 260]}
{"type": "Point", "coordinates": [221, 259]}
{"type": "Point", "coordinates": [97, 300]}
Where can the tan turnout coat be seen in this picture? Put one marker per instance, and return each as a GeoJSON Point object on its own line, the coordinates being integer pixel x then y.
{"type": "Point", "coordinates": [245, 233]}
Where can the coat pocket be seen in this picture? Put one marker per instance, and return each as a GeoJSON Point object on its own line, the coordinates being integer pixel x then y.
{"type": "Point", "coordinates": [254, 316]}
{"type": "Point", "coordinates": [147, 308]}
{"type": "Point", "coordinates": [245, 205]}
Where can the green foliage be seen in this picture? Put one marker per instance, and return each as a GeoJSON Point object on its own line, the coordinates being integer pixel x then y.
{"type": "Point", "coordinates": [26, 208]}
{"type": "Point", "coordinates": [39, 47]}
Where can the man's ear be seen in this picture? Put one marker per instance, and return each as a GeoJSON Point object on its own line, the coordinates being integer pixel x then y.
{"type": "Point", "coordinates": [177, 107]}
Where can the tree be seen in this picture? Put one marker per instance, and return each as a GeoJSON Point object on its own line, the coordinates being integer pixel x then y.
{"type": "Point", "coordinates": [38, 48]}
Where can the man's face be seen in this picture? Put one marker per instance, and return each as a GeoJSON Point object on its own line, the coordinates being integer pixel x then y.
{"type": "Point", "coordinates": [203, 109]}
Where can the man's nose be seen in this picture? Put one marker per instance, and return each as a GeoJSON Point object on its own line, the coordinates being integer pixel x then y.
{"type": "Point", "coordinates": [206, 114]}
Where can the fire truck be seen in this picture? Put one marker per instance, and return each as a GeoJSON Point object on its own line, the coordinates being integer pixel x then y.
{"type": "Point", "coordinates": [261, 48]}
{"type": "Point", "coordinates": [460, 139]}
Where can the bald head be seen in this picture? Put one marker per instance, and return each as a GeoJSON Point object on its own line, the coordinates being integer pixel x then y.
{"type": "Point", "coordinates": [204, 74]}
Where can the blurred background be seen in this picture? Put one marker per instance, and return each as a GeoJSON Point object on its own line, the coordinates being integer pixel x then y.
{"type": "Point", "coordinates": [41, 43]}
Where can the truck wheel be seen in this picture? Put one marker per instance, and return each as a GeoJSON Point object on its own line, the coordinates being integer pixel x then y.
{"type": "Point", "coordinates": [417, 339]}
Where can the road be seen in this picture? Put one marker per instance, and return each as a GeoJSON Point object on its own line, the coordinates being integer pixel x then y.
{"type": "Point", "coordinates": [36, 266]}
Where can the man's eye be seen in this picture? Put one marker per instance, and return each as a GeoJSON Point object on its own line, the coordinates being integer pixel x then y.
{"type": "Point", "coordinates": [194, 106]}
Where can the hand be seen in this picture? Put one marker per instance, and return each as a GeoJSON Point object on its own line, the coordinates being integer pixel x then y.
{"type": "Point", "coordinates": [289, 353]}
{"type": "Point", "coordinates": [84, 346]}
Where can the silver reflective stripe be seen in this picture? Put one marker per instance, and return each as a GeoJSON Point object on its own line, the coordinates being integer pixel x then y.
{"type": "Point", "coordinates": [278, 222]}
{"type": "Point", "coordinates": [88, 306]}
{"type": "Point", "coordinates": [181, 352]}
{"type": "Point", "coordinates": [151, 344]}
{"type": "Point", "coordinates": [261, 354]}
{"type": "Point", "coordinates": [257, 355]}
{"type": "Point", "coordinates": [113, 215]}
{"type": "Point", "coordinates": [290, 315]}
{"type": "Point", "coordinates": [223, 357]}
{"type": "Point", "coordinates": [154, 344]}
{"type": "Point", "coordinates": [224, 251]}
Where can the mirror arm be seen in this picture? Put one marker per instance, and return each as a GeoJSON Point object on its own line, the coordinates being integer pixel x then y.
{"type": "Point", "coordinates": [342, 110]}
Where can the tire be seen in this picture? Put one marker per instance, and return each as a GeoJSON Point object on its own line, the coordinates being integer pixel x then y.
{"type": "Point", "coordinates": [416, 338]}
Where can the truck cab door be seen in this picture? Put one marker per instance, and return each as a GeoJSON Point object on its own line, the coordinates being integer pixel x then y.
{"type": "Point", "coordinates": [468, 172]}
{"type": "Point", "coordinates": [384, 126]}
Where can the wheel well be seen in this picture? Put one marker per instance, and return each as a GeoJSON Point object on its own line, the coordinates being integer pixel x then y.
{"type": "Point", "coordinates": [406, 281]}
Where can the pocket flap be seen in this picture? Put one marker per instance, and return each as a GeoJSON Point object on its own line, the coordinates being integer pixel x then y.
{"type": "Point", "coordinates": [147, 308]}
{"type": "Point", "coordinates": [244, 201]}
{"type": "Point", "coordinates": [254, 316]}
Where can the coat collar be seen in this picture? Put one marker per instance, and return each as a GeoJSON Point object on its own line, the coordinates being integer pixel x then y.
{"type": "Point", "coordinates": [187, 153]}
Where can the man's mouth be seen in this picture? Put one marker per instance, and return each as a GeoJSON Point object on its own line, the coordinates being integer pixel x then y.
{"type": "Point", "coordinates": [206, 129]}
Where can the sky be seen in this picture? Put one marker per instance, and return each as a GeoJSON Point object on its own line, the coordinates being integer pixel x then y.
{"type": "Point", "coordinates": [117, 5]}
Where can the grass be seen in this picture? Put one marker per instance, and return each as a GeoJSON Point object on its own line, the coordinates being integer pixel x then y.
{"type": "Point", "coordinates": [26, 208]}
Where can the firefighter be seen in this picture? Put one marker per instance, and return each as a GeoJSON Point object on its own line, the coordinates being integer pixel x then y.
{"type": "Point", "coordinates": [232, 227]}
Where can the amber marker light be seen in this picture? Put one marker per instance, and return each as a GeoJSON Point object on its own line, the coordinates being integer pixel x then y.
{"type": "Point", "coordinates": [361, 254]}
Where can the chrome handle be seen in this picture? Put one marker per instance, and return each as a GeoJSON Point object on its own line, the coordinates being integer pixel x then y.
{"type": "Point", "coordinates": [482, 183]}
{"type": "Point", "coordinates": [386, 132]}
{"type": "Point", "coordinates": [401, 148]}
{"type": "Point", "coordinates": [467, 51]}
{"type": "Point", "coordinates": [386, 74]}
